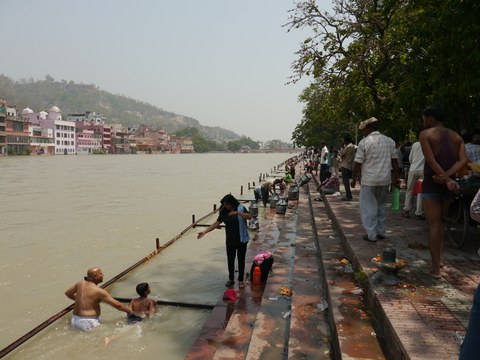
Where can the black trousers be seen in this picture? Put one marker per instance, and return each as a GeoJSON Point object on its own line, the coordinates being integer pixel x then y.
{"type": "Point", "coordinates": [323, 172]}
{"type": "Point", "coordinates": [264, 196]}
{"type": "Point", "coordinates": [346, 176]}
{"type": "Point", "coordinates": [239, 251]}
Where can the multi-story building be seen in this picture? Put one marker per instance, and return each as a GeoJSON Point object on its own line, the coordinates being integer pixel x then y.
{"type": "Point", "coordinates": [143, 144]}
{"type": "Point", "coordinates": [3, 126]}
{"type": "Point", "coordinates": [186, 145]}
{"type": "Point", "coordinates": [42, 140]}
{"type": "Point", "coordinates": [121, 142]}
{"type": "Point", "coordinates": [101, 133]}
{"type": "Point", "coordinates": [181, 144]}
{"type": "Point", "coordinates": [161, 137]}
{"type": "Point", "coordinates": [89, 116]}
{"type": "Point", "coordinates": [86, 143]}
{"type": "Point", "coordinates": [18, 141]}
{"type": "Point", "coordinates": [64, 131]}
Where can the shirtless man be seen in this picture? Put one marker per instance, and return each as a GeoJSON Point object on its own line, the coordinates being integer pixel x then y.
{"type": "Point", "coordinates": [142, 306]}
{"type": "Point", "coordinates": [445, 155]}
{"type": "Point", "coordinates": [87, 296]}
{"type": "Point", "coordinates": [268, 187]}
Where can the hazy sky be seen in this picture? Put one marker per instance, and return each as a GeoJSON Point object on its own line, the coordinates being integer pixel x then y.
{"type": "Point", "coordinates": [222, 62]}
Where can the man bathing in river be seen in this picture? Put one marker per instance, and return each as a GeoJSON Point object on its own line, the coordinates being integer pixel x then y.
{"type": "Point", "coordinates": [87, 296]}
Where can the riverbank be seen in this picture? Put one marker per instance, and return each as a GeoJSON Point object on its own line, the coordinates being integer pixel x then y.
{"type": "Point", "coordinates": [64, 214]}
{"type": "Point", "coordinates": [318, 246]}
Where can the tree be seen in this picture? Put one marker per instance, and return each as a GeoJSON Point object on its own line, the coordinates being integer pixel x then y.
{"type": "Point", "coordinates": [387, 59]}
{"type": "Point", "coordinates": [234, 146]}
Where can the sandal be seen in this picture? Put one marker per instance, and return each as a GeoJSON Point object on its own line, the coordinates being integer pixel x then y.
{"type": "Point", "coordinates": [241, 285]}
{"type": "Point", "coordinates": [366, 238]}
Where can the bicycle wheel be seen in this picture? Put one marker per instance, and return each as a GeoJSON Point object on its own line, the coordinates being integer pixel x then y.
{"type": "Point", "coordinates": [457, 222]}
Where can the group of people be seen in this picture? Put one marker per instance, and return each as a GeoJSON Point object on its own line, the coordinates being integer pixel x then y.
{"type": "Point", "coordinates": [436, 158]}
{"type": "Point", "coordinates": [88, 295]}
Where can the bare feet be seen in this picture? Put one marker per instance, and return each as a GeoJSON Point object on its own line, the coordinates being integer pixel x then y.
{"type": "Point", "coordinates": [433, 275]}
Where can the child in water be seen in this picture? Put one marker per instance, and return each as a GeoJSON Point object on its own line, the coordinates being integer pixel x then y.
{"type": "Point", "coordinates": [142, 306]}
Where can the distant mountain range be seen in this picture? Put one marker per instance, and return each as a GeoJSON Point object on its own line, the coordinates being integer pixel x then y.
{"type": "Point", "coordinates": [74, 98]}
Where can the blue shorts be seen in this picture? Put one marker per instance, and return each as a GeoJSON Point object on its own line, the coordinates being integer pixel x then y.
{"type": "Point", "coordinates": [133, 319]}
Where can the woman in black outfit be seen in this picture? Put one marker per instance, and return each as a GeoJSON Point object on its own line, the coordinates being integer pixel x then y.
{"type": "Point", "coordinates": [235, 217]}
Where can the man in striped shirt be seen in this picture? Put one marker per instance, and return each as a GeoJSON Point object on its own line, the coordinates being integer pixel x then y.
{"type": "Point", "coordinates": [375, 158]}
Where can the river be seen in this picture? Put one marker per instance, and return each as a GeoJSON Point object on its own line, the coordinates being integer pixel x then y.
{"type": "Point", "coordinates": [63, 214]}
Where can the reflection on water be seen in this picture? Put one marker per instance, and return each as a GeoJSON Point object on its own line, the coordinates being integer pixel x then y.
{"type": "Point", "coordinates": [63, 214]}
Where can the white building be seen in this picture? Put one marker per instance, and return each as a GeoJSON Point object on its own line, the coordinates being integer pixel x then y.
{"type": "Point", "coordinates": [64, 131]}
{"type": "Point", "coordinates": [89, 116]}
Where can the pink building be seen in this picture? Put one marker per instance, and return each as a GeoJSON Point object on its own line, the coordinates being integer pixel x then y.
{"type": "Point", "coordinates": [64, 131]}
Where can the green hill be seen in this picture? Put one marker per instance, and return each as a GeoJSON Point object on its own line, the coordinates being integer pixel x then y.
{"type": "Point", "coordinates": [74, 98]}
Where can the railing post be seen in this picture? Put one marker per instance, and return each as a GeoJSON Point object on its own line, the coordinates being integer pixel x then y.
{"type": "Point", "coordinates": [157, 243]}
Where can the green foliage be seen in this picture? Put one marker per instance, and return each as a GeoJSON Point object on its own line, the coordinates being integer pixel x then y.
{"type": "Point", "coordinates": [237, 145]}
{"type": "Point", "coordinates": [234, 146]}
{"type": "Point", "coordinates": [99, 152]}
{"type": "Point", "coordinates": [200, 143]}
{"type": "Point", "coordinates": [388, 59]}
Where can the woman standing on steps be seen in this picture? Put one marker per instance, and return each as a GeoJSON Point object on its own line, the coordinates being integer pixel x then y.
{"type": "Point", "coordinates": [235, 217]}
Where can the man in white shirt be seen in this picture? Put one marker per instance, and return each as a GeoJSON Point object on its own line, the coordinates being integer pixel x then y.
{"type": "Point", "coordinates": [323, 163]}
{"type": "Point", "coordinates": [375, 158]}
{"type": "Point", "coordinates": [415, 173]}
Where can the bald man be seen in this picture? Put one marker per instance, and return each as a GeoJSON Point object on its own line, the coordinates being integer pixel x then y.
{"type": "Point", "coordinates": [87, 296]}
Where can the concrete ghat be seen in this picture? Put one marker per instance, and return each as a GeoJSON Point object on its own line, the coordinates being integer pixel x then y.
{"type": "Point", "coordinates": [260, 325]}
{"type": "Point", "coordinates": [418, 318]}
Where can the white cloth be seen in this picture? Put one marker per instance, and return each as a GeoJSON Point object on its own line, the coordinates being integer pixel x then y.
{"type": "Point", "coordinates": [373, 209]}
{"type": "Point", "coordinates": [323, 157]}
{"type": "Point", "coordinates": [85, 323]}
{"type": "Point", "coordinates": [413, 177]}
{"type": "Point", "coordinates": [475, 208]}
{"type": "Point", "coordinates": [375, 153]}
{"type": "Point", "coordinates": [473, 152]}
{"type": "Point", "coordinates": [416, 158]}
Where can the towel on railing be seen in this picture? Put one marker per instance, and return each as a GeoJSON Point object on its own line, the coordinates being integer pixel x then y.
{"type": "Point", "coordinates": [242, 225]}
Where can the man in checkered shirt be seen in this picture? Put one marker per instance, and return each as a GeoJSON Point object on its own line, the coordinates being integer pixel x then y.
{"type": "Point", "coordinates": [375, 158]}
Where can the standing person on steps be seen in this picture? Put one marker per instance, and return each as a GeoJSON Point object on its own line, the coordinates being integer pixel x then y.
{"type": "Point", "coordinates": [375, 158]}
{"type": "Point", "coordinates": [445, 155]}
{"type": "Point", "coordinates": [347, 155]}
{"type": "Point", "coordinates": [323, 162]}
{"type": "Point", "coordinates": [415, 173]}
{"type": "Point", "coordinates": [235, 217]}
